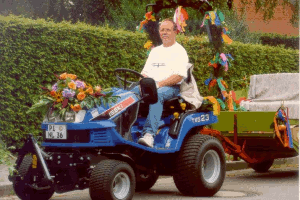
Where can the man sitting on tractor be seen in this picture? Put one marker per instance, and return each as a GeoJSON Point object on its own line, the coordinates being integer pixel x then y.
{"type": "Point", "coordinates": [167, 65]}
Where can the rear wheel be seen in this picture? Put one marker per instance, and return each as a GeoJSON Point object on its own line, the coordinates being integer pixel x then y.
{"type": "Point", "coordinates": [200, 167]}
{"type": "Point", "coordinates": [145, 181]}
{"type": "Point", "coordinates": [25, 192]}
{"type": "Point", "coordinates": [112, 180]}
{"type": "Point", "coordinates": [262, 166]}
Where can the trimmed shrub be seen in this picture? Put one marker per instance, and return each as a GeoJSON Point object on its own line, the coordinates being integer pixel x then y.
{"type": "Point", "coordinates": [32, 51]}
{"type": "Point", "coordinates": [277, 40]}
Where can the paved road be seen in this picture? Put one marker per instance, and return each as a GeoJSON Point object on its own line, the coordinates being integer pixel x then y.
{"type": "Point", "coordinates": [278, 184]}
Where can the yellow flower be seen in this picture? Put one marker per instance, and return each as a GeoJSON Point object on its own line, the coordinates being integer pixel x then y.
{"type": "Point", "coordinates": [72, 85]}
{"type": "Point", "coordinates": [89, 90]}
{"type": "Point", "coordinates": [80, 96]}
{"type": "Point", "coordinates": [72, 76]}
{"type": "Point", "coordinates": [98, 88]}
{"type": "Point", "coordinates": [153, 18]}
{"type": "Point", "coordinates": [63, 76]}
{"type": "Point", "coordinates": [148, 45]}
{"type": "Point", "coordinates": [76, 107]}
{"type": "Point", "coordinates": [58, 100]}
{"type": "Point", "coordinates": [58, 95]}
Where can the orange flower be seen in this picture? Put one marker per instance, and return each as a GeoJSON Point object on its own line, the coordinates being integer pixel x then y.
{"type": "Point", "coordinates": [148, 15]}
{"type": "Point", "coordinates": [72, 85]}
{"type": "Point", "coordinates": [72, 76]}
{"type": "Point", "coordinates": [76, 107]}
{"type": "Point", "coordinates": [63, 76]}
{"type": "Point", "coordinates": [90, 90]}
{"type": "Point", "coordinates": [98, 88]}
{"type": "Point", "coordinates": [53, 93]}
{"type": "Point", "coordinates": [80, 96]}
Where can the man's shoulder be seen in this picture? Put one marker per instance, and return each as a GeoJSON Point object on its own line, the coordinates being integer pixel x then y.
{"type": "Point", "coordinates": [179, 46]}
{"type": "Point", "coordinates": [157, 48]}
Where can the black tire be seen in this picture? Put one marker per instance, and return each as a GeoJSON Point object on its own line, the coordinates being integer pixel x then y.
{"type": "Point", "coordinates": [262, 166]}
{"type": "Point", "coordinates": [25, 192]}
{"type": "Point", "coordinates": [193, 180]}
{"type": "Point", "coordinates": [145, 181]}
{"type": "Point", "coordinates": [110, 174]}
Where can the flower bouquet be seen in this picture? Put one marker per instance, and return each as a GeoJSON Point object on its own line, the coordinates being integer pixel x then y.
{"type": "Point", "coordinates": [70, 94]}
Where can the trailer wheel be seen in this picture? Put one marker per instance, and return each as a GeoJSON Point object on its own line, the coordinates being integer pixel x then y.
{"type": "Point", "coordinates": [262, 166]}
{"type": "Point", "coordinates": [145, 181]}
{"type": "Point", "coordinates": [112, 180]}
{"type": "Point", "coordinates": [200, 167]}
{"type": "Point", "coordinates": [25, 192]}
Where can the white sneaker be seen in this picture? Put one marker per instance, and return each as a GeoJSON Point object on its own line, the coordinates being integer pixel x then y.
{"type": "Point", "coordinates": [147, 140]}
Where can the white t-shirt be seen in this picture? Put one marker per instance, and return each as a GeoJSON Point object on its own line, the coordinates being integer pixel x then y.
{"type": "Point", "coordinates": [166, 61]}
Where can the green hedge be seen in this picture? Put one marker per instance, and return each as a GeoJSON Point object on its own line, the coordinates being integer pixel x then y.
{"type": "Point", "coordinates": [277, 40]}
{"type": "Point", "coordinates": [31, 51]}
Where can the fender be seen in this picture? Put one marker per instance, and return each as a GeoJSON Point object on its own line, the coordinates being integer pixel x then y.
{"type": "Point", "coordinates": [191, 120]}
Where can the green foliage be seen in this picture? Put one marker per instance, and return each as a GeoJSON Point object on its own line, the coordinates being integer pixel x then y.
{"type": "Point", "coordinates": [32, 50]}
{"type": "Point", "coordinates": [249, 59]}
{"type": "Point", "coordinates": [277, 40]}
{"type": "Point", "coordinates": [6, 157]}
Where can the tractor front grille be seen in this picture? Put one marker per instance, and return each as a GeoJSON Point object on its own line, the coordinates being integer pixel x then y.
{"type": "Point", "coordinates": [101, 136]}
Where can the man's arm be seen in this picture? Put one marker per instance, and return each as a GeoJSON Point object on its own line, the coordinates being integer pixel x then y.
{"type": "Point", "coordinates": [172, 80]}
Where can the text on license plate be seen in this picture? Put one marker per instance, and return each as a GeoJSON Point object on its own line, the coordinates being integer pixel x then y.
{"type": "Point", "coordinates": [56, 132]}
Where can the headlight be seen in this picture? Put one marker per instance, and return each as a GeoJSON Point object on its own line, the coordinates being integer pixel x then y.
{"type": "Point", "coordinates": [51, 117]}
{"type": "Point", "coordinates": [80, 116]}
{"type": "Point", "coordinates": [70, 116]}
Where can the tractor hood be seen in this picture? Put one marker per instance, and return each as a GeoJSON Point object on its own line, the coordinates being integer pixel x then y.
{"type": "Point", "coordinates": [125, 100]}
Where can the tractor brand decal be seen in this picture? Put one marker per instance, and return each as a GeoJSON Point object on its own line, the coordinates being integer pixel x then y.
{"type": "Point", "coordinates": [115, 110]}
{"type": "Point", "coordinates": [118, 108]}
{"type": "Point", "coordinates": [202, 118]}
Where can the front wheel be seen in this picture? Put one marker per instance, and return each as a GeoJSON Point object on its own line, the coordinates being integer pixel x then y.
{"type": "Point", "coordinates": [112, 180]}
{"type": "Point", "coordinates": [21, 188]}
{"type": "Point", "coordinates": [200, 167]}
{"type": "Point", "coordinates": [262, 166]}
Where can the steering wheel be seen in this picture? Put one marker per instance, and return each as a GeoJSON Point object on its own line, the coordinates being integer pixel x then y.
{"type": "Point", "coordinates": [131, 77]}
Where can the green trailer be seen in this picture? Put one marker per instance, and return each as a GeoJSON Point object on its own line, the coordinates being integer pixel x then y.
{"type": "Point", "coordinates": [256, 137]}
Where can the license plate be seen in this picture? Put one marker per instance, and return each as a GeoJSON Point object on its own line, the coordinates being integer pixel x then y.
{"type": "Point", "coordinates": [56, 132]}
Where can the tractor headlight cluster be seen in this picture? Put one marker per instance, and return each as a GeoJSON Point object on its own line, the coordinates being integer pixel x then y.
{"type": "Point", "coordinates": [70, 117]}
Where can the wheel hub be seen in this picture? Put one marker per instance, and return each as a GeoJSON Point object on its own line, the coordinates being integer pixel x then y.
{"type": "Point", "coordinates": [211, 166]}
{"type": "Point", "coordinates": [121, 185]}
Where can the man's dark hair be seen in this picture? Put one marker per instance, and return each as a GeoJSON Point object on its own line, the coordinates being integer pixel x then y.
{"type": "Point", "coordinates": [170, 20]}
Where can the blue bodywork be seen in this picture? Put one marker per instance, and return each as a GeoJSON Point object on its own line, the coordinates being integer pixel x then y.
{"type": "Point", "coordinates": [102, 128]}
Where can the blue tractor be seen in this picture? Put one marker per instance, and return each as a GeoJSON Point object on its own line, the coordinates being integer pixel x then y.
{"type": "Point", "coordinates": [98, 149]}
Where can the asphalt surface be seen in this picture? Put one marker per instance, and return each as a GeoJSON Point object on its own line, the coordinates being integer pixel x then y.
{"type": "Point", "coordinates": [280, 183]}
{"type": "Point", "coordinates": [228, 189]}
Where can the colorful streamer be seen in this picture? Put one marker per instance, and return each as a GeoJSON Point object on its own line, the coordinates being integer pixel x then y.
{"type": "Point", "coordinates": [216, 105]}
{"type": "Point", "coordinates": [180, 17]}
